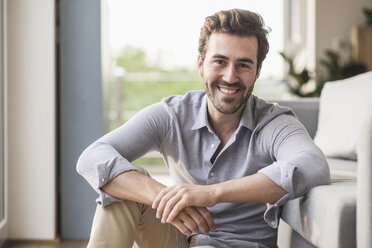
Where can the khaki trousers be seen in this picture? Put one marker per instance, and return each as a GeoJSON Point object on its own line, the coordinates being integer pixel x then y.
{"type": "Point", "coordinates": [127, 224]}
{"type": "Point", "coordinates": [121, 224]}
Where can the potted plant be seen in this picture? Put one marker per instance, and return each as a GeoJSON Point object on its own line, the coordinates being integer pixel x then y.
{"type": "Point", "coordinates": [361, 41]}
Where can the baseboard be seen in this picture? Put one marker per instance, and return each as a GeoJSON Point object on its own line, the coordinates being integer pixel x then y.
{"type": "Point", "coordinates": [11, 242]}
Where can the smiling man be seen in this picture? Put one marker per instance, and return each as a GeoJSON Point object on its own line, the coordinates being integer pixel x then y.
{"type": "Point", "coordinates": [236, 158]}
{"type": "Point", "coordinates": [229, 70]}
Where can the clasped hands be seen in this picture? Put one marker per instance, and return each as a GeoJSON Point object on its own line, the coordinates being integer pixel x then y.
{"type": "Point", "coordinates": [184, 206]}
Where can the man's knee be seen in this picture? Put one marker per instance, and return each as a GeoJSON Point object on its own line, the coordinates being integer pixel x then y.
{"type": "Point", "coordinates": [115, 225]}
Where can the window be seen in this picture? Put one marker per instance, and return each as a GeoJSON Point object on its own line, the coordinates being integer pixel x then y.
{"type": "Point", "coordinates": [2, 114]}
{"type": "Point", "coordinates": [168, 31]}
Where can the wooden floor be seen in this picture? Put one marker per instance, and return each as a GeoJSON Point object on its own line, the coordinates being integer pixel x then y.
{"type": "Point", "coordinates": [36, 244]}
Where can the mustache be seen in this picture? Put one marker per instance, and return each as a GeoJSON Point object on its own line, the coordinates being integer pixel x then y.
{"type": "Point", "coordinates": [224, 83]}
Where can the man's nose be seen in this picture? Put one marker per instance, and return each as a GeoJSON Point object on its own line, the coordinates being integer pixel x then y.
{"type": "Point", "coordinates": [230, 75]}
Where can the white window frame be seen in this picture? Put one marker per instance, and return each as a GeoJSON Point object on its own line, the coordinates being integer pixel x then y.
{"type": "Point", "coordinates": [3, 124]}
{"type": "Point", "coordinates": [299, 30]}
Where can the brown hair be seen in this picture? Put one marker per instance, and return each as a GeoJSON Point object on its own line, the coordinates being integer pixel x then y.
{"type": "Point", "coordinates": [236, 22]}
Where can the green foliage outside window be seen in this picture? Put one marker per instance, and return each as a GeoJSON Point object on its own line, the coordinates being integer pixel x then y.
{"type": "Point", "coordinates": [137, 94]}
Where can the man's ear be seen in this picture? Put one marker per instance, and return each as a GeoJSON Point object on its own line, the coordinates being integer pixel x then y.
{"type": "Point", "coordinates": [200, 65]}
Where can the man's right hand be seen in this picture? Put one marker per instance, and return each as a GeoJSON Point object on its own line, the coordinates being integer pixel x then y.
{"type": "Point", "coordinates": [192, 219]}
{"type": "Point", "coordinates": [189, 220]}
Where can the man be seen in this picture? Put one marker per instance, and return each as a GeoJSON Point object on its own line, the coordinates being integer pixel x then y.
{"type": "Point", "coordinates": [237, 159]}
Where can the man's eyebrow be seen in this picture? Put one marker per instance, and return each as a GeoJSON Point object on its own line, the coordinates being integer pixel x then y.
{"type": "Point", "coordinates": [219, 56]}
{"type": "Point", "coordinates": [246, 60]}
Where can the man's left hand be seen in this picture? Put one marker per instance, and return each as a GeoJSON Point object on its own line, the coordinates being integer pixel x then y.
{"type": "Point", "coordinates": [172, 200]}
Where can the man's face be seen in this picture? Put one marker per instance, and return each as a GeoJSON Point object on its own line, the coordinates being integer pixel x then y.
{"type": "Point", "coordinates": [229, 71]}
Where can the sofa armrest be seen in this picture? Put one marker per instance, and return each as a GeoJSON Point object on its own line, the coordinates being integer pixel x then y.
{"type": "Point", "coordinates": [364, 183]}
{"type": "Point", "coordinates": [306, 110]}
{"type": "Point", "coordinates": [325, 216]}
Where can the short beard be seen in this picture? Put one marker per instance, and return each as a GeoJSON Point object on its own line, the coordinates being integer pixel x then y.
{"type": "Point", "coordinates": [219, 107]}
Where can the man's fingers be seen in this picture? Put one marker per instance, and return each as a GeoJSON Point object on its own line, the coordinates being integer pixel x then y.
{"type": "Point", "coordinates": [170, 207]}
{"type": "Point", "coordinates": [159, 196]}
{"type": "Point", "coordinates": [188, 222]}
{"type": "Point", "coordinates": [177, 208]}
{"type": "Point", "coordinates": [181, 227]}
{"type": "Point", "coordinates": [164, 195]}
{"type": "Point", "coordinates": [208, 217]}
{"type": "Point", "coordinates": [193, 219]}
{"type": "Point", "coordinates": [198, 219]}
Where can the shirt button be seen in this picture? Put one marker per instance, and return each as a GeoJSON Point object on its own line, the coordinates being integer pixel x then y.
{"type": "Point", "coordinates": [212, 145]}
{"type": "Point", "coordinates": [103, 180]}
{"type": "Point", "coordinates": [212, 174]}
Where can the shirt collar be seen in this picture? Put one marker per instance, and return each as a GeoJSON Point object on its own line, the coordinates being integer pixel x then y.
{"type": "Point", "coordinates": [248, 116]}
{"type": "Point", "coordinates": [247, 119]}
{"type": "Point", "coordinates": [202, 117]}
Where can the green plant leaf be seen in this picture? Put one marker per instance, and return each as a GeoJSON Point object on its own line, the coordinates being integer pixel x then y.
{"type": "Point", "coordinates": [368, 14]}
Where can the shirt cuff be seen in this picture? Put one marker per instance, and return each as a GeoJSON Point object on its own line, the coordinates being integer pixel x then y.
{"type": "Point", "coordinates": [106, 172]}
{"type": "Point", "coordinates": [282, 175]}
{"type": "Point", "coordinates": [105, 199]}
{"type": "Point", "coordinates": [273, 211]}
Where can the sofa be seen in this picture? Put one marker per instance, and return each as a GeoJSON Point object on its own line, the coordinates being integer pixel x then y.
{"type": "Point", "coordinates": [338, 215]}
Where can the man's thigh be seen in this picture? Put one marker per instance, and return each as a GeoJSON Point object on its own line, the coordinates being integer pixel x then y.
{"type": "Point", "coordinates": [151, 232]}
{"type": "Point", "coordinates": [123, 223]}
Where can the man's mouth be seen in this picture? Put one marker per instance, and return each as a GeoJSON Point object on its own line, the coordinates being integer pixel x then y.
{"type": "Point", "coordinates": [227, 90]}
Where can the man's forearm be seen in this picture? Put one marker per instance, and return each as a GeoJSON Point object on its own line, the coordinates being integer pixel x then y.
{"type": "Point", "coordinates": [256, 188]}
{"type": "Point", "coordinates": [141, 188]}
{"type": "Point", "coordinates": [134, 186]}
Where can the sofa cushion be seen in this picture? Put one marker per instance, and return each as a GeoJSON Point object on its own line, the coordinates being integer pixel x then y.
{"type": "Point", "coordinates": [326, 216]}
{"type": "Point", "coordinates": [342, 169]}
{"type": "Point", "coordinates": [342, 104]}
{"type": "Point", "coordinates": [306, 110]}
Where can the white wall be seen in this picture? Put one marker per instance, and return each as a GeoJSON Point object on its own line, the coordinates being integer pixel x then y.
{"type": "Point", "coordinates": [31, 119]}
{"type": "Point", "coordinates": [334, 20]}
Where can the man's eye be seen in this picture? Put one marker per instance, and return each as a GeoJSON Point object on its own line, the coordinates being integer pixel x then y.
{"type": "Point", "coordinates": [220, 62]}
{"type": "Point", "coordinates": [242, 65]}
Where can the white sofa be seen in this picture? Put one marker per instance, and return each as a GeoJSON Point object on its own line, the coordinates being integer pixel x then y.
{"type": "Point", "coordinates": [338, 215]}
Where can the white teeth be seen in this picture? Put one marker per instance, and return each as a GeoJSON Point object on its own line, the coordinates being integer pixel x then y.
{"type": "Point", "coordinates": [227, 91]}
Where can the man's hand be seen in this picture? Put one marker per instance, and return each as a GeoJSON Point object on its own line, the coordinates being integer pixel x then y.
{"type": "Point", "coordinates": [191, 220]}
{"type": "Point", "coordinates": [172, 200]}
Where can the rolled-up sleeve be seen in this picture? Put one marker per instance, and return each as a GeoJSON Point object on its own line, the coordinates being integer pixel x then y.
{"type": "Point", "coordinates": [112, 154]}
{"type": "Point", "coordinates": [299, 164]}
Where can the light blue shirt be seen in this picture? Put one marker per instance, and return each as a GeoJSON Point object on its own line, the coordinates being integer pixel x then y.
{"type": "Point", "coordinates": [268, 140]}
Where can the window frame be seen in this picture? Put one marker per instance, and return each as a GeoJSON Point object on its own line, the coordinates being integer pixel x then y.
{"type": "Point", "coordinates": [305, 29]}
{"type": "Point", "coordinates": [3, 124]}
